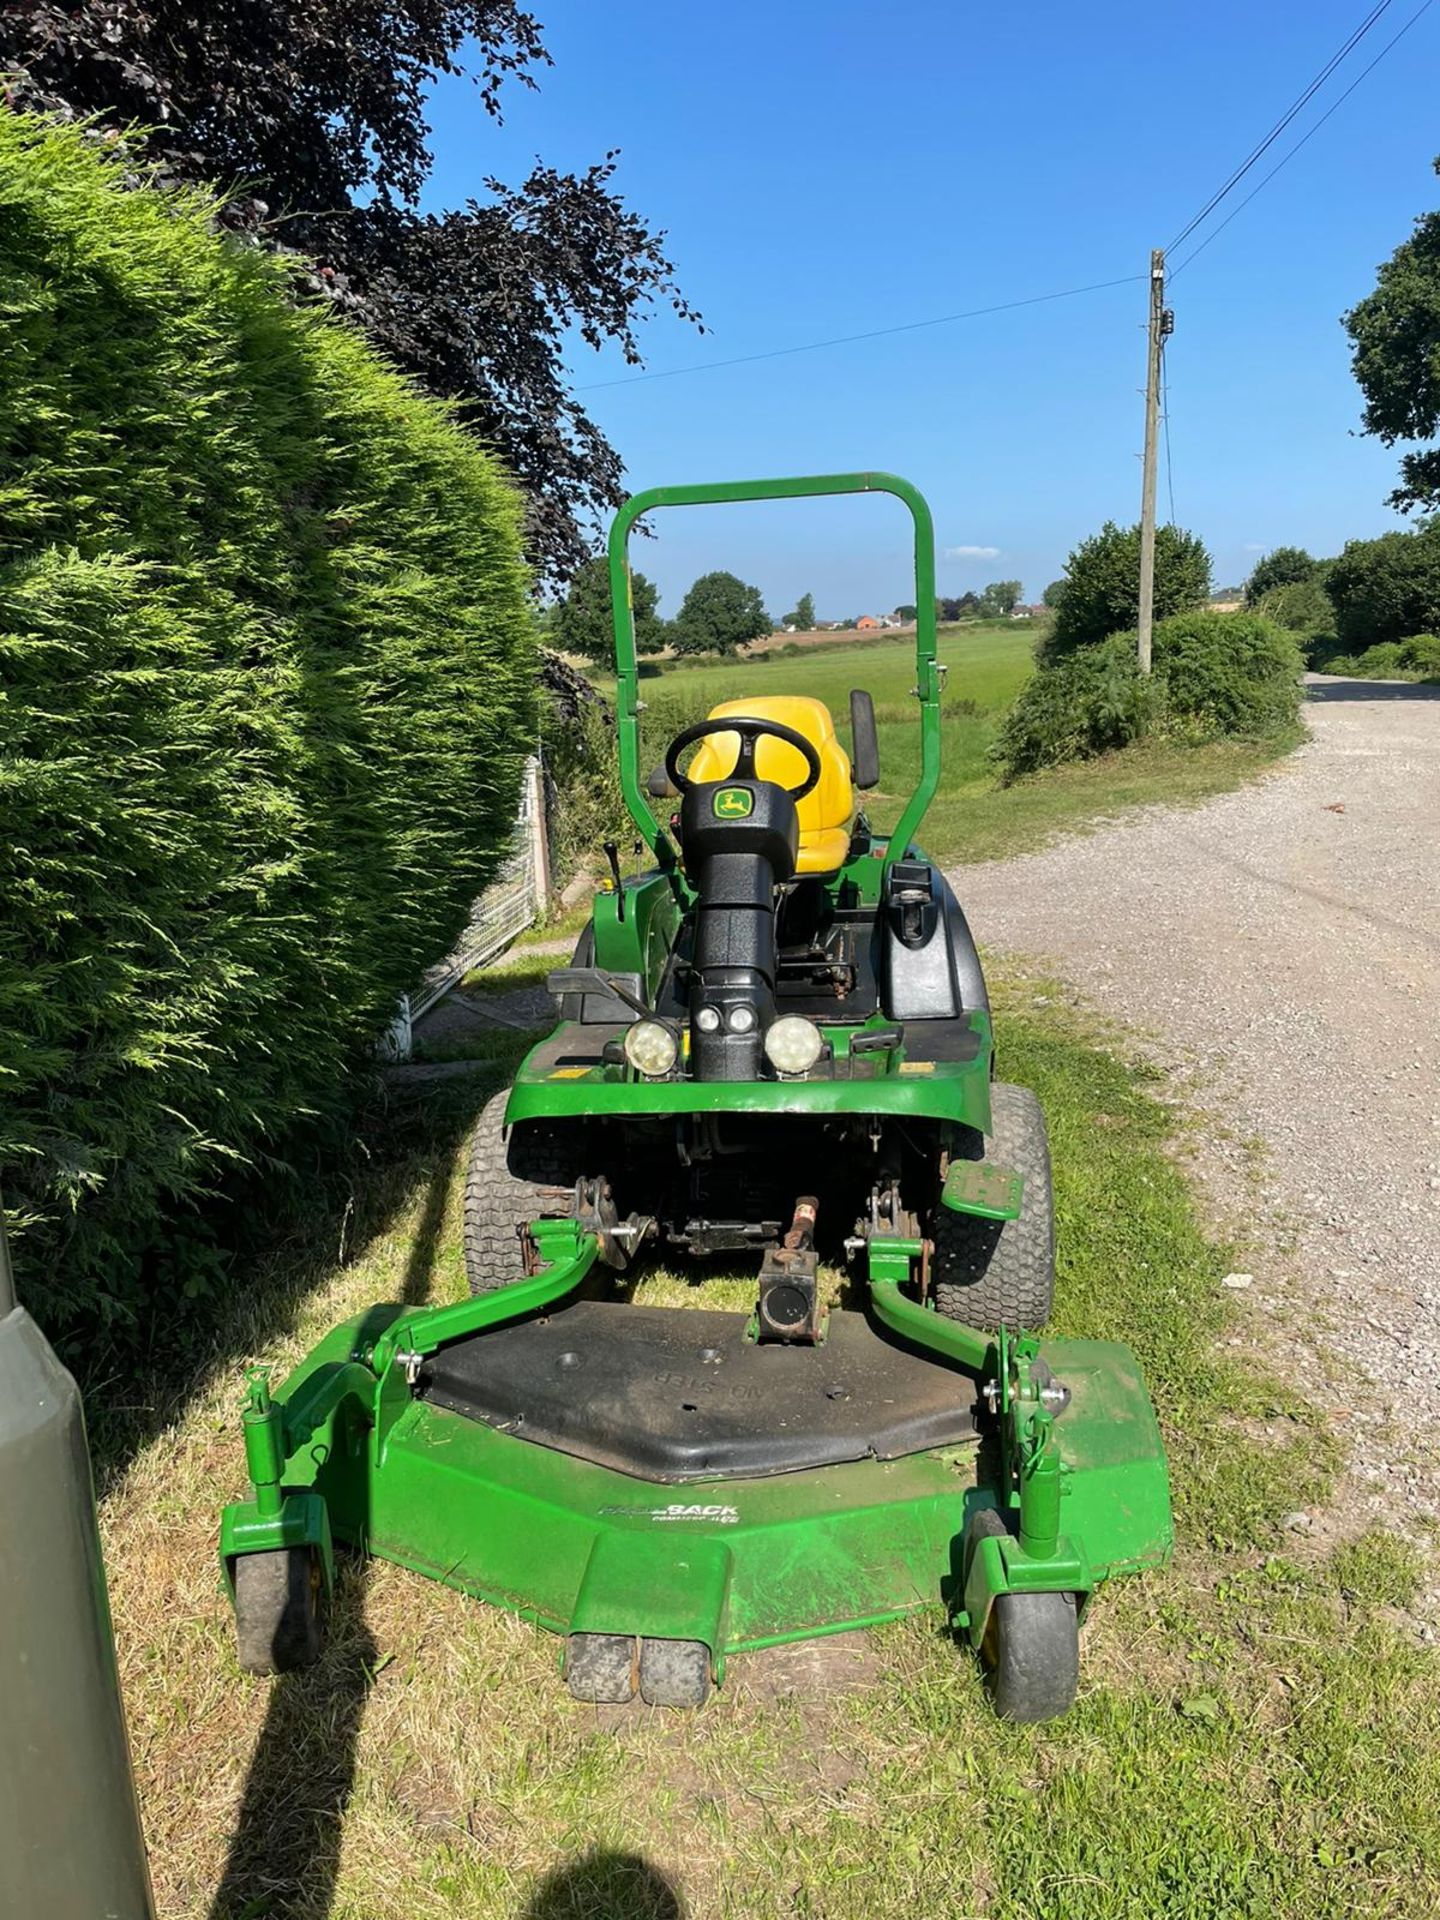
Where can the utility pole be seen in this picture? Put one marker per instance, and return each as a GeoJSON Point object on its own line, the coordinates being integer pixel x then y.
{"type": "Point", "coordinates": [1161, 323]}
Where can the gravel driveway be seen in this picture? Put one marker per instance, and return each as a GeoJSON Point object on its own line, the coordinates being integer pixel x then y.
{"type": "Point", "coordinates": [1281, 946]}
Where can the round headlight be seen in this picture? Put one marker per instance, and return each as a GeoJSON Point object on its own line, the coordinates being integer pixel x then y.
{"type": "Point", "coordinates": [650, 1048]}
{"type": "Point", "coordinates": [707, 1019]}
{"type": "Point", "coordinates": [742, 1019]}
{"type": "Point", "coordinates": [793, 1045]}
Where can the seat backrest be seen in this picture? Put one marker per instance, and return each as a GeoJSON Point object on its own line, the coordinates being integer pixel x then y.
{"type": "Point", "coordinates": [827, 812]}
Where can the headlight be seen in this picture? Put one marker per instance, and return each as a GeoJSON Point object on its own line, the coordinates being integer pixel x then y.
{"type": "Point", "coordinates": [742, 1019]}
{"type": "Point", "coordinates": [650, 1048]}
{"type": "Point", "coordinates": [793, 1045]}
{"type": "Point", "coordinates": [707, 1019]}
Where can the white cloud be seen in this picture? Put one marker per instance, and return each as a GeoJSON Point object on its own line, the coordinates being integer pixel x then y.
{"type": "Point", "coordinates": [972, 553]}
{"type": "Point", "coordinates": [1254, 546]}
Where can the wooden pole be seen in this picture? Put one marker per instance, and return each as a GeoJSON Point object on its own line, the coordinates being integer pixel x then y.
{"type": "Point", "coordinates": [1146, 621]}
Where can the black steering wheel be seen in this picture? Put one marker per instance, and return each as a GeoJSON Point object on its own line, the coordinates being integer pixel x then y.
{"type": "Point", "coordinates": [749, 731]}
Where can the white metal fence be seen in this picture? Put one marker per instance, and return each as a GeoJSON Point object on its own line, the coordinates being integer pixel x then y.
{"type": "Point", "coordinates": [513, 902]}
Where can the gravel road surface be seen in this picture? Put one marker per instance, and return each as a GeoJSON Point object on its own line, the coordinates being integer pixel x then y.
{"type": "Point", "coordinates": [1281, 948]}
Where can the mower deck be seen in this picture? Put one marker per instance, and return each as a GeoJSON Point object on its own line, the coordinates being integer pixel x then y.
{"type": "Point", "coordinates": [360, 1447]}
{"type": "Point", "coordinates": [671, 1395]}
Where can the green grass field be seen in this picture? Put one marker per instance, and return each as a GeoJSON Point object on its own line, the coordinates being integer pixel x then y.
{"type": "Point", "coordinates": [972, 817]}
{"type": "Point", "coordinates": [1258, 1732]}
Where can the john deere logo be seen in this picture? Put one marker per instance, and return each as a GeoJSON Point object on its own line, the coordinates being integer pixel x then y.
{"type": "Point", "coordinates": [734, 803]}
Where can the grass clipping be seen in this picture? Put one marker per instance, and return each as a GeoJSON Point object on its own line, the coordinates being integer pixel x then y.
{"type": "Point", "coordinates": [265, 688]}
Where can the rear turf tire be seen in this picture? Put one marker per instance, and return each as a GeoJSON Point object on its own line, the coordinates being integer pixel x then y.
{"type": "Point", "coordinates": [989, 1273]}
{"type": "Point", "coordinates": [1030, 1652]}
{"type": "Point", "coordinates": [277, 1610]}
{"type": "Point", "coordinates": [510, 1182]}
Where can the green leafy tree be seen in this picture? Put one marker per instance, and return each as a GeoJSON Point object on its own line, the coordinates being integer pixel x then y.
{"type": "Point", "coordinates": [1387, 589]}
{"type": "Point", "coordinates": [321, 109]}
{"type": "Point", "coordinates": [582, 622]}
{"type": "Point", "coordinates": [804, 615]}
{"type": "Point", "coordinates": [999, 597]}
{"type": "Point", "coordinates": [1053, 594]}
{"type": "Point", "coordinates": [963, 607]}
{"type": "Point", "coordinates": [907, 612]}
{"type": "Point", "coordinates": [1281, 567]}
{"type": "Point", "coordinates": [718, 615]}
{"type": "Point", "coordinates": [1101, 592]}
{"type": "Point", "coordinates": [1395, 337]}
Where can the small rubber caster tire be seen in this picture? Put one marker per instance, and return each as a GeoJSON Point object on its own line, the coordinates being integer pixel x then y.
{"type": "Point", "coordinates": [277, 1610]}
{"type": "Point", "coordinates": [1030, 1652]}
{"type": "Point", "coordinates": [600, 1667]}
{"type": "Point", "coordinates": [674, 1673]}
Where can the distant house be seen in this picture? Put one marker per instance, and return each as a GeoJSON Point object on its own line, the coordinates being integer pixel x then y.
{"type": "Point", "coordinates": [1021, 612]}
{"type": "Point", "coordinates": [867, 623]}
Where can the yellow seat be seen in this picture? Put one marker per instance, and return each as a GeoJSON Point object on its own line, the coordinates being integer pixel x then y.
{"type": "Point", "coordinates": [826, 813]}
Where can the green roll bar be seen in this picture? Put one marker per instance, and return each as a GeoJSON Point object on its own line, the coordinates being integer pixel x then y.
{"type": "Point", "coordinates": [927, 677]}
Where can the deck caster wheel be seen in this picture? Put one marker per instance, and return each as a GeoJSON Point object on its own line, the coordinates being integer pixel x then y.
{"type": "Point", "coordinates": [600, 1667]}
{"type": "Point", "coordinates": [1030, 1653]}
{"type": "Point", "coordinates": [674, 1673]}
{"type": "Point", "coordinates": [277, 1609]}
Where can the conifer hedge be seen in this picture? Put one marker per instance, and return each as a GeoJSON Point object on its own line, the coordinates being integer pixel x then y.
{"type": "Point", "coordinates": [266, 686]}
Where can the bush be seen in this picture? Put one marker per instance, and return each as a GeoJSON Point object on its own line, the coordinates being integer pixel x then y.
{"type": "Point", "coordinates": [1421, 654]}
{"type": "Point", "coordinates": [1231, 675]}
{"type": "Point", "coordinates": [585, 804]}
{"type": "Point", "coordinates": [1417, 658]}
{"type": "Point", "coordinates": [267, 687]}
{"type": "Point", "coordinates": [1085, 703]}
{"type": "Point", "coordinates": [1100, 593]}
{"type": "Point", "coordinates": [1388, 588]}
{"type": "Point", "coordinates": [1215, 675]}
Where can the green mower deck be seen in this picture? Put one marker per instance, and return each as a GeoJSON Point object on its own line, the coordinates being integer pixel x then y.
{"type": "Point", "coordinates": [1066, 1450]}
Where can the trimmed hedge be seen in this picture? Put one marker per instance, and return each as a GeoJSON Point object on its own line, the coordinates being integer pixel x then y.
{"type": "Point", "coordinates": [266, 685]}
{"type": "Point", "coordinates": [1215, 676]}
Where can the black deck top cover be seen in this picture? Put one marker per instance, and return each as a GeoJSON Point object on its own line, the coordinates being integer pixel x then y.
{"type": "Point", "coordinates": [673, 1394]}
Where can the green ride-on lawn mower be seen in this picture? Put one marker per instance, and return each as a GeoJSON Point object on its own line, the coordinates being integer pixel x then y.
{"type": "Point", "coordinates": [777, 1040]}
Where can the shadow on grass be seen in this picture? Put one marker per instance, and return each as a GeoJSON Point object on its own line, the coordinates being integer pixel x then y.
{"type": "Point", "coordinates": [407, 1140]}
{"type": "Point", "coordinates": [284, 1856]}
{"type": "Point", "coordinates": [605, 1885]}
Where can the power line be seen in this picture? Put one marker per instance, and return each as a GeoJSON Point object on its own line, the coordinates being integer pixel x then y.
{"type": "Point", "coordinates": [1285, 160]}
{"type": "Point", "coordinates": [1280, 125]}
{"type": "Point", "coordinates": [850, 339]}
{"type": "Point", "coordinates": [1097, 286]}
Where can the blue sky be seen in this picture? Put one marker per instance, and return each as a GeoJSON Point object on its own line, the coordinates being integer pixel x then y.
{"type": "Point", "coordinates": [823, 167]}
